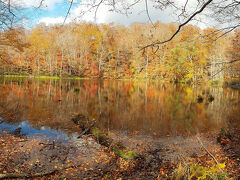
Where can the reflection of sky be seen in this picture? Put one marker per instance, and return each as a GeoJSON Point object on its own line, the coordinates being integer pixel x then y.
{"type": "Point", "coordinates": [32, 132]}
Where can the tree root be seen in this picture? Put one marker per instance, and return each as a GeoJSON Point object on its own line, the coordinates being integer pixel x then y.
{"type": "Point", "coordinates": [87, 130]}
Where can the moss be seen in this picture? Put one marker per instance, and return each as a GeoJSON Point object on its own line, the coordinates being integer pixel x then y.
{"type": "Point", "coordinates": [102, 138]}
{"type": "Point", "coordinates": [95, 131]}
{"type": "Point", "coordinates": [117, 148]}
{"type": "Point", "coordinates": [125, 153]}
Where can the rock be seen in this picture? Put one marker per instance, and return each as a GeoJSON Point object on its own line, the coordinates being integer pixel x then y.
{"type": "Point", "coordinates": [17, 131]}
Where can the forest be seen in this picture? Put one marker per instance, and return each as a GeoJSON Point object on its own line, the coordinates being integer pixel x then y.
{"type": "Point", "coordinates": [147, 100]}
{"type": "Point", "coordinates": [114, 51]}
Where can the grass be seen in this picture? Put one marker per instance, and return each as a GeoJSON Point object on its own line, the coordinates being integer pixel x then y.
{"type": "Point", "coordinates": [124, 153]}
{"type": "Point", "coordinates": [42, 77]}
{"type": "Point", "coordinates": [15, 76]}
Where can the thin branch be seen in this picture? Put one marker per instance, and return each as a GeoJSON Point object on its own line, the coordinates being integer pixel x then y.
{"type": "Point", "coordinates": [183, 10]}
{"type": "Point", "coordinates": [231, 29]}
{"type": "Point", "coordinates": [87, 129]}
{"type": "Point", "coordinates": [218, 72]}
{"type": "Point", "coordinates": [40, 5]}
{"type": "Point", "coordinates": [200, 142]}
{"type": "Point", "coordinates": [230, 62]}
{"type": "Point", "coordinates": [133, 4]}
{"type": "Point", "coordinates": [225, 62]}
{"type": "Point", "coordinates": [98, 5]}
{"type": "Point", "coordinates": [146, 5]}
{"type": "Point", "coordinates": [180, 26]}
{"type": "Point", "coordinates": [71, 3]}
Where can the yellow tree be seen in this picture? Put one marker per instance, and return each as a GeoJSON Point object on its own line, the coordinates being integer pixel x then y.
{"type": "Point", "coordinates": [39, 44]}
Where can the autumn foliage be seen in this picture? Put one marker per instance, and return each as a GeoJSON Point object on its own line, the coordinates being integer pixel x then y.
{"type": "Point", "coordinates": [115, 51]}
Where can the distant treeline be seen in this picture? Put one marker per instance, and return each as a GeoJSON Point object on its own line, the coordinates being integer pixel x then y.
{"type": "Point", "coordinates": [115, 51]}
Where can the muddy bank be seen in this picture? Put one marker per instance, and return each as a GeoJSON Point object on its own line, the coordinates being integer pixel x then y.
{"type": "Point", "coordinates": [96, 154]}
{"type": "Point", "coordinates": [24, 157]}
{"type": "Point", "coordinates": [32, 156]}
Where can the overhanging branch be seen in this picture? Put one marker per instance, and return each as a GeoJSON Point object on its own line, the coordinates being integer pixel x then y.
{"type": "Point", "coordinates": [179, 27]}
{"type": "Point", "coordinates": [71, 3]}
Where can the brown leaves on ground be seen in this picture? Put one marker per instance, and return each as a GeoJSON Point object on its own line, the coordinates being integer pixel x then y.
{"type": "Point", "coordinates": [40, 155]}
{"type": "Point", "coordinates": [86, 159]}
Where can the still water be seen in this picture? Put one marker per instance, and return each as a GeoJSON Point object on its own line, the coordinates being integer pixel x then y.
{"type": "Point", "coordinates": [149, 108]}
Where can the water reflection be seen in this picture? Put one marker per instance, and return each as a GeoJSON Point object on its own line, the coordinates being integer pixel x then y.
{"type": "Point", "coordinates": [27, 130]}
{"type": "Point", "coordinates": [132, 107]}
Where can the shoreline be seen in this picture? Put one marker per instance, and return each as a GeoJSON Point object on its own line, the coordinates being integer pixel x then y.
{"type": "Point", "coordinates": [89, 159]}
{"type": "Point", "coordinates": [209, 82]}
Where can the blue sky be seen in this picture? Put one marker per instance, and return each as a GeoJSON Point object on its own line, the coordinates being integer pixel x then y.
{"type": "Point", "coordinates": [58, 9]}
{"type": "Point", "coordinates": [54, 12]}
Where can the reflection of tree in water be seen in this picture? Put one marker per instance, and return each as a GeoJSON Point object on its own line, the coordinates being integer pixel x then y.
{"type": "Point", "coordinates": [133, 106]}
{"type": "Point", "coordinates": [221, 106]}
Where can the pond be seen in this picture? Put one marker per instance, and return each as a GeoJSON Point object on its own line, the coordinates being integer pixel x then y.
{"type": "Point", "coordinates": [148, 108]}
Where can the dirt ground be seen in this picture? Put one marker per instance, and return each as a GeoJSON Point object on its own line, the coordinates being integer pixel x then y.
{"type": "Point", "coordinates": [42, 158]}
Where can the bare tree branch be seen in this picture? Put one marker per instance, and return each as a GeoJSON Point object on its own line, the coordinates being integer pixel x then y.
{"type": "Point", "coordinates": [98, 5]}
{"type": "Point", "coordinates": [230, 30]}
{"type": "Point", "coordinates": [149, 18]}
{"type": "Point", "coordinates": [183, 10]}
{"type": "Point", "coordinates": [179, 27]}
{"type": "Point", "coordinates": [225, 62]}
{"type": "Point", "coordinates": [41, 3]}
{"type": "Point", "coordinates": [71, 3]}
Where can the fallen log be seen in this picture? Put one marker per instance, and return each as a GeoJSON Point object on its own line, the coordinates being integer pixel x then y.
{"type": "Point", "coordinates": [18, 175]}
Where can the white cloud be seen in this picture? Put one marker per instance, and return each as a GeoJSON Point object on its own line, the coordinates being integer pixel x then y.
{"type": "Point", "coordinates": [136, 14]}
{"type": "Point", "coordinates": [51, 21]}
{"type": "Point", "coordinates": [47, 4]}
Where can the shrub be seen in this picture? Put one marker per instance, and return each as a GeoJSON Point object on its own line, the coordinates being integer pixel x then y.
{"type": "Point", "coordinates": [195, 171]}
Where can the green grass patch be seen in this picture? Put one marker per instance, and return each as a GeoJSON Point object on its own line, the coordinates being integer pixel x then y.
{"type": "Point", "coordinates": [15, 76]}
{"type": "Point", "coordinates": [42, 77]}
{"type": "Point", "coordinates": [124, 153]}
{"type": "Point", "coordinates": [117, 148]}
{"type": "Point", "coordinates": [46, 77]}
{"type": "Point", "coordinates": [96, 132]}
